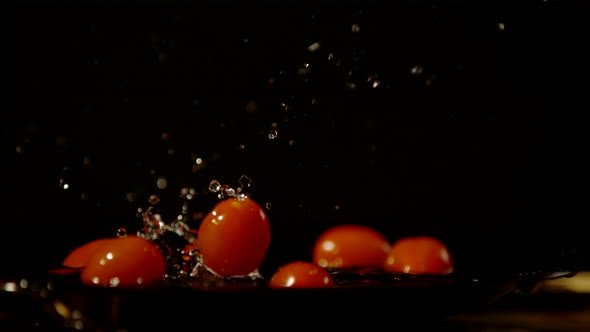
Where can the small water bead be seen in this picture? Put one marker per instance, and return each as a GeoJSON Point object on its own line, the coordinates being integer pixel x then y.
{"type": "Point", "coordinates": [417, 70]}
{"type": "Point", "coordinates": [188, 193]}
{"type": "Point", "coordinates": [214, 186]}
{"type": "Point", "coordinates": [314, 47]}
{"type": "Point", "coordinates": [64, 184]}
{"type": "Point", "coordinates": [226, 191]}
{"type": "Point", "coordinates": [154, 199]}
{"type": "Point", "coordinates": [245, 181]}
{"type": "Point", "coordinates": [131, 197]}
{"type": "Point", "coordinates": [151, 224]}
{"type": "Point", "coordinates": [162, 182]}
{"type": "Point", "coordinates": [272, 134]}
{"type": "Point", "coordinates": [121, 232]}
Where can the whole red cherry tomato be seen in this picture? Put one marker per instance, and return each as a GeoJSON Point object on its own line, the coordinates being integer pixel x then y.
{"type": "Point", "coordinates": [234, 237]}
{"type": "Point", "coordinates": [126, 262]}
{"type": "Point", "coordinates": [79, 256]}
{"type": "Point", "coordinates": [299, 274]}
{"type": "Point", "coordinates": [350, 245]}
{"type": "Point", "coordinates": [419, 255]}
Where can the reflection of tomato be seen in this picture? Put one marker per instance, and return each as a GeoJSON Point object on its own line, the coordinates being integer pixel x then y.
{"type": "Point", "coordinates": [419, 255]}
{"type": "Point", "coordinates": [79, 256]}
{"type": "Point", "coordinates": [300, 274]}
{"type": "Point", "coordinates": [128, 262]}
{"type": "Point", "coordinates": [234, 237]}
{"type": "Point", "coordinates": [350, 245]}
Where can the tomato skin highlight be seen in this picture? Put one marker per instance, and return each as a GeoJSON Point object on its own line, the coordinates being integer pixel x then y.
{"type": "Point", "coordinates": [349, 246]}
{"type": "Point", "coordinates": [234, 237]}
{"type": "Point", "coordinates": [300, 274]}
{"type": "Point", "coordinates": [125, 262]}
{"type": "Point", "coordinates": [419, 255]}
{"type": "Point", "coordinates": [78, 257]}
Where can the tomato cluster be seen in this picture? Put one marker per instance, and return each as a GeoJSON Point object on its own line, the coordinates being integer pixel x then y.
{"type": "Point", "coordinates": [359, 246]}
{"type": "Point", "coordinates": [233, 240]}
{"type": "Point", "coordinates": [128, 261]}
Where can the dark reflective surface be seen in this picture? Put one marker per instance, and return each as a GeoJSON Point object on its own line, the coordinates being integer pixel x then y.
{"type": "Point", "coordinates": [452, 119]}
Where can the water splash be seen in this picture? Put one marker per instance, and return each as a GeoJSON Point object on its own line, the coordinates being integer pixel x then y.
{"type": "Point", "coordinates": [177, 239]}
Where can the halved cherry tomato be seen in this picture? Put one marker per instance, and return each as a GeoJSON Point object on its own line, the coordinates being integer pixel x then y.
{"type": "Point", "coordinates": [79, 256]}
{"type": "Point", "coordinates": [234, 237]}
{"type": "Point", "coordinates": [350, 245]}
{"type": "Point", "coordinates": [126, 262]}
{"type": "Point", "coordinates": [419, 255]}
{"type": "Point", "coordinates": [301, 274]}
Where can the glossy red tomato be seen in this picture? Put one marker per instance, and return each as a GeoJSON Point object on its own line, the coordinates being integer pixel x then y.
{"type": "Point", "coordinates": [234, 237]}
{"type": "Point", "coordinates": [126, 262]}
{"type": "Point", "coordinates": [300, 274]}
{"type": "Point", "coordinates": [79, 256]}
{"type": "Point", "coordinates": [419, 255]}
{"type": "Point", "coordinates": [350, 245]}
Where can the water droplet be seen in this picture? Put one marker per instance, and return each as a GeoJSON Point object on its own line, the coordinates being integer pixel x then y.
{"type": "Point", "coordinates": [285, 106]}
{"type": "Point", "coordinates": [121, 232]}
{"type": "Point", "coordinates": [356, 28]}
{"type": "Point", "coordinates": [245, 181]}
{"type": "Point", "coordinates": [268, 205]}
{"type": "Point", "coordinates": [154, 199]}
{"type": "Point", "coordinates": [417, 70]}
{"type": "Point", "coordinates": [161, 183]}
{"type": "Point", "coordinates": [272, 134]}
{"type": "Point", "coordinates": [63, 184]}
{"type": "Point", "coordinates": [314, 47]}
{"type": "Point", "coordinates": [226, 191]}
{"type": "Point", "coordinates": [187, 193]}
{"type": "Point", "coordinates": [214, 186]}
{"type": "Point", "coordinates": [351, 85]}
{"type": "Point", "coordinates": [374, 81]}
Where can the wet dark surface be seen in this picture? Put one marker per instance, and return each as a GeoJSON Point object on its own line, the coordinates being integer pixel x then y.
{"type": "Point", "coordinates": [413, 304]}
{"type": "Point", "coordinates": [457, 120]}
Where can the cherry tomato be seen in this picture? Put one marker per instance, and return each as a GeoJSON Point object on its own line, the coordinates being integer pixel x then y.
{"type": "Point", "coordinates": [419, 255]}
{"type": "Point", "coordinates": [301, 274]}
{"type": "Point", "coordinates": [234, 237]}
{"type": "Point", "coordinates": [350, 245]}
{"type": "Point", "coordinates": [126, 262]}
{"type": "Point", "coordinates": [79, 256]}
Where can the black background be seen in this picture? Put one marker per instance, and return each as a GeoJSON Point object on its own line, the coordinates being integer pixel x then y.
{"type": "Point", "coordinates": [481, 145]}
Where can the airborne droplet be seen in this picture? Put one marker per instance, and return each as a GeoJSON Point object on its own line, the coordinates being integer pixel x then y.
{"type": "Point", "coordinates": [214, 186]}
{"type": "Point", "coordinates": [245, 181]}
{"type": "Point", "coordinates": [154, 199]}
{"type": "Point", "coordinates": [121, 232]}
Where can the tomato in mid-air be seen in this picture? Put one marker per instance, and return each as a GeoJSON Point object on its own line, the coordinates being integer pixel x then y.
{"type": "Point", "coordinates": [349, 246]}
{"type": "Point", "coordinates": [299, 274]}
{"type": "Point", "coordinates": [234, 237]}
{"type": "Point", "coordinates": [79, 256]}
{"type": "Point", "coordinates": [125, 262]}
{"type": "Point", "coordinates": [419, 255]}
